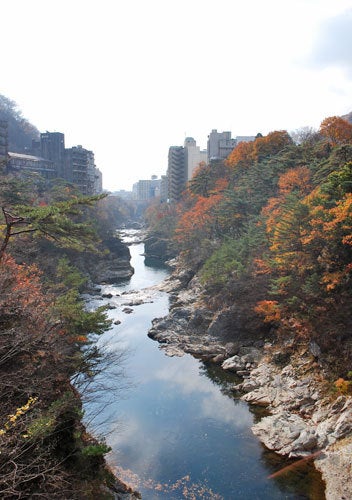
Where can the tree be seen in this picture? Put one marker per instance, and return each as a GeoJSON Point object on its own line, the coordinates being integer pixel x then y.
{"type": "Point", "coordinates": [54, 221]}
{"type": "Point", "coordinates": [336, 130]}
{"type": "Point", "coordinates": [305, 135]}
{"type": "Point", "coordinates": [270, 145]}
{"type": "Point", "coordinates": [205, 178]}
{"type": "Point", "coordinates": [241, 155]}
{"type": "Point", "coordinates": [45, 450]}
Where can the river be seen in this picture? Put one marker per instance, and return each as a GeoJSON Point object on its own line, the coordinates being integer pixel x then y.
{"type": "Point", "coordinates": [175, 429]}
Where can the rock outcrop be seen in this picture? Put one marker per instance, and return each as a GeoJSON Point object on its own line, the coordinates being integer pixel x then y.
{"type": "Point", "coordinates": [159, 248]}
{"type": "Point", "coordinates": [307, 420]}
{"type": "Point", "coordinates": [304, 421]}
{"type": "Point", "coordinates": [111, 266]}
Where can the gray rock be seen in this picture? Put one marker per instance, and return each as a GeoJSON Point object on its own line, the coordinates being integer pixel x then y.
{"type": "Point", "coordinates": [234, 364]}
{"type": "Point", "coordinates": [314, 349]}
{"type": "Point", "coordinates": [343, 426]}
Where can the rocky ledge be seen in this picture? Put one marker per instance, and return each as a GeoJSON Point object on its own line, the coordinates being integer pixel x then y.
{"type": "Point", "coordinates": [192, 328]}
{"type": "Point", "coordinates": [307, 419]}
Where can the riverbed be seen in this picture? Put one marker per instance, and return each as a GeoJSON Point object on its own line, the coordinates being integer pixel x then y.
{"type": "Point", "coordinates": [175, 429]}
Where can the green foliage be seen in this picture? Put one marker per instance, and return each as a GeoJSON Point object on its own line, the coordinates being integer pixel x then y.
{"type": "Point", "coordinates": [59, 222]}
{"type": "Point", "coordinates": [96, 450]}
{"type": "Point", "coordinates": [69, 275]}
{"type": "Point", "coordinates": [20, 190]}
{"type": "Point", "coordinates": [232, 260]}
{"type": "Point", "coordinates": [70, 309]}
{"type": "Point", "coordinates": [41, 427]}
{"type": "Point", "coordinates": [338, 182]}
{"type": "Point", "coordinates": [204, 179]}
{"type": "Point", "coordinates": [223, 264]}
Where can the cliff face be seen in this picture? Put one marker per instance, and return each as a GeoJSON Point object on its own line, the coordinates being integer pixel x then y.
{"type": "Point", "coordinates": [110, 266]}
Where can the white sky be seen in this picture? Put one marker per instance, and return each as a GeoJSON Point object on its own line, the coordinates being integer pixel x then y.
{"type": "Point", "coordinates": [127, 79]}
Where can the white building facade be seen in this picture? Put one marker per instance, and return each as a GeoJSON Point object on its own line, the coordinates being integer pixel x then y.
{"type": "Point", "coordinates": [193, 156]}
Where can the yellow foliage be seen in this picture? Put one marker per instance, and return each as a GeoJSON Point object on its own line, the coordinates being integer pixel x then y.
{"type": "Point", "coordinates": [11, 422]}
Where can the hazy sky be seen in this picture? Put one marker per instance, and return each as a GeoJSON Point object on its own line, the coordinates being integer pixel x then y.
{"type": "Point", "coordinates": [127, 79]}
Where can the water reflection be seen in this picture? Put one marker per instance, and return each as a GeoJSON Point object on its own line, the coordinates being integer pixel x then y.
{"type": "Point", "coordinates": [185, 378]}
{"type": "Point", "coordinates": [181, 434]}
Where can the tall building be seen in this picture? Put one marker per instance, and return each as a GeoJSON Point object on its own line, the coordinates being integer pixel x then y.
{"type": "Point", "coordinates": [182, 162]}
{"type": "Point", "coordinates": [176, 172]}
{"type": "Point", "coordinates": [52, 146]}
{"type": "Point", "coordinates": [220, 145]}
{"type": "Point", "coordinates": [146, 189]}
{"type": "Point", "coordinates": [193, 156]}
{"type": "Point", "coordinates": [51, 159]}
{"type": "Point", "coordinates": [80, 169]}
{"type": "Point", "coordinates": [163, 188]}
{"type": "Point", "coordinates": [98, 181]}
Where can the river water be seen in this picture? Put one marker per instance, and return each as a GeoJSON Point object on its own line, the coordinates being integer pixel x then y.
{"type": "Point", "coordinates": [175, 430]}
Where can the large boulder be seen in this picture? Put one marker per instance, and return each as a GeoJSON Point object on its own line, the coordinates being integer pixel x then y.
{"type": "Point", "coordinates": [158, 248]}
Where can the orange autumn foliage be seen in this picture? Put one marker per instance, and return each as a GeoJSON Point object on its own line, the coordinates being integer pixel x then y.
{"type": "Point", "coordinates": [198, 220]}
{"type": "Point", "coordinates": [341, 218]}
{"type": "Point", "coordinates": [245, 153]}
{"type": "Point", "coordinates": [269, 309]}
{"type": "Point", "coordinates": [297, 179]}
{"type": "Point", "coordinates": [343, 386]}
{"type": "Point", "coordinates": [261, 267]}
{"type": "Point", "coordinates": [336, 130]}
{"type": "Point", "coordinates": [271, 144]}
{"type": "Point", "coordinates": [241, 155]}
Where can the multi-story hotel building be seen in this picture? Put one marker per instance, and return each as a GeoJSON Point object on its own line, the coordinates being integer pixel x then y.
{"type": "Point", "coordinates": [80, 169]}
{"type": "Point", "coordinates": [176, 172]}
{"type": "Point", "coordinates": [18, 162]}
{"type": "Point", "coordinates": [52, 147]}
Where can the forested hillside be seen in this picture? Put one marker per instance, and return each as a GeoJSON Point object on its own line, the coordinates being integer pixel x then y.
{"type": "Point", "coordinates": [20, 131]}
{"type": "Point", "coordinates": [269, 233]}
{"type": "Point", "coordinates": [49, 237]}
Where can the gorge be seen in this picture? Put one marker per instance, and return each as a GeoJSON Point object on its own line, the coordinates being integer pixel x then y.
{"type": "Point", "coordinates": [177, 430]}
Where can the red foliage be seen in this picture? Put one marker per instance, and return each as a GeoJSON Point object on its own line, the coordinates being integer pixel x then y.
{"type": "Point", "coordinates": [21, 292]}
{"type": "Point", "coordinates": [199, 219]}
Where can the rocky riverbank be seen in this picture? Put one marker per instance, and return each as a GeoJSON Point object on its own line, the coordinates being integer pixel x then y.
{"type": "Point", "coordinates": [307, 420]}
{"type": "Point", "coordinates": [111, 266]}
